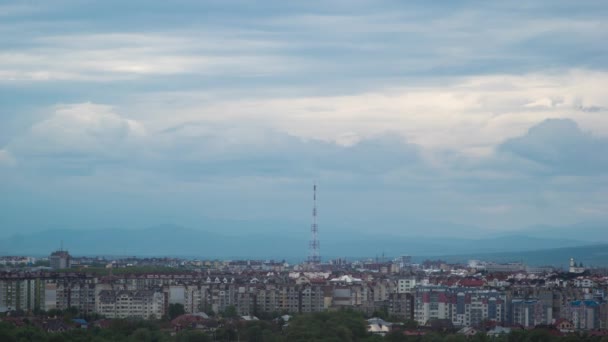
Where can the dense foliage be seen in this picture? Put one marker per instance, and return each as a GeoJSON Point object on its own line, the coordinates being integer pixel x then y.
{"type": "Point", "coordinates": [340, 326]}
{"type": "Point", "coordinates": [176, 310]}
{"type": "Point", "coordinates": [328, 326]}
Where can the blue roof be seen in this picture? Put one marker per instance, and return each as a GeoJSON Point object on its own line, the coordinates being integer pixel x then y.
{"type": "Point", "coordinates": [584, 303]}
{"type": "Point", "coordinates": [79, 321]}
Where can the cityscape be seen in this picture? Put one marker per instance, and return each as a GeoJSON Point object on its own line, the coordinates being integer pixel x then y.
{"type": "Point", "coordinates": [397, 295]}
{"type": "Point", "coordinates": [392, 297]}
{"type": "Point", "coordinates": [303, 171]}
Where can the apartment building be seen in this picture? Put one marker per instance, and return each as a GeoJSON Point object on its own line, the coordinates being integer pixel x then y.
{"type": "Point", "coordinates": [144, 304]}
{"type": "Point", "coordinates": [462, 306]}
{"type": "Point", "coordinates": [25, 294]}
{"type": "Point", "coordinates": [401, 305]}
{"type": "Point", "coordinates": [584, 314]}
{"type": "Point", "coordinates": [406, 285]}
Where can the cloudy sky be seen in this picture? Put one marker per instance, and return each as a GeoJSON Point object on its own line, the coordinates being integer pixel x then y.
{"type": "Point", "coordinates": [413, 117]}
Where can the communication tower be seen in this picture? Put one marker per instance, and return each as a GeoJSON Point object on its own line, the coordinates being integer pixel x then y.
{"type": "Point", "coordinates": [314, 257]}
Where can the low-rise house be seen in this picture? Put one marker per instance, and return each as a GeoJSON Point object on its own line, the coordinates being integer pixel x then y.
{"type": "Point", "coordinates": [564, 325]}
{"type": "Point", "coordinates": [467, 331]}
{"type": "Point", "coordinates": [498, 331]}
{"type": "Point", "coordinates": [378, 326]}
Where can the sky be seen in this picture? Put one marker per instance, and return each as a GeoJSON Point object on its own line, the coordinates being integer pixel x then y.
{"type": "Point", "coordinates": [448, 118]}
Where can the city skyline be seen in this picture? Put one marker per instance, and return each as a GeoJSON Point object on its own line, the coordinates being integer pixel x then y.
{"type": "Point", "coordinates": [336, 170]}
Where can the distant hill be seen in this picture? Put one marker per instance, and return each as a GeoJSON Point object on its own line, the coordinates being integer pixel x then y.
{"type": "Point", "coordinates": [171, 240]}
{"type": "Point", "coordinates": [589, 231]}
{"type": "Point", "coordinates": [591, 255]}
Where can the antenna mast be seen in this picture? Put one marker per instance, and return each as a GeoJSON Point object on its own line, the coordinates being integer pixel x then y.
{"type": "Point", "coordinates": [314, 257]}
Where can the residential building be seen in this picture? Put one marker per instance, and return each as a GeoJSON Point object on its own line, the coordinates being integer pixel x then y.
{"type": "Point", "coordinates": [60, 260]}
{"type": "Point", "coordinates": [144, 304]}
{"type": "Point", "coordinates": [585, 314]}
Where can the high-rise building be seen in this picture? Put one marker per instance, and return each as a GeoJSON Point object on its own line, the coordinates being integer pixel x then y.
{"type": "Point", "coordinates": [60, 259]}
{"type": "Point", "coordinates": [585, 314]}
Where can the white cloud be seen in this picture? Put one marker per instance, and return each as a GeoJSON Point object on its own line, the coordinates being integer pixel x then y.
{"type": "Point", "coordinates": [470, 114]}
{"type": "Point", "coordinates": [6, 159]}
{"type": "Point", "coordinates": [106, 57]}
{"type": "Point", "coordinates": [291, 93]}
{"type": "Point", "coordinates": [85, 130]}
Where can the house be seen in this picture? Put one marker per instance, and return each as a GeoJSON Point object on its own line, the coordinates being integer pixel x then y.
{"type": "Point", "coordinates": [81, 323]}
{"type": "Point", "coordinates": [55, 326]}
{"type": "Point", "coordinates": [467, 331]}
{"type": "Point", "coordinates": [378, 329]}
{"type": "Point", "coordinates": [378, 326]}
{"type": "Point", "coordinates": [498, 331]}
{"type": "Point", "coordinates": [186, 321]}
{"type": "Point", "coordinates": [442, 325]}
{"type": "Point", "coordinates": [471, 282]}
{"type": "Point", "coordinates": [584, 282]}
{"type": "Point", "coordinates": [564, 325]}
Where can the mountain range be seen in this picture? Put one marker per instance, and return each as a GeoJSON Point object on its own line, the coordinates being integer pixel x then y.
{"type": "Point", "coordinates": [171, 240]}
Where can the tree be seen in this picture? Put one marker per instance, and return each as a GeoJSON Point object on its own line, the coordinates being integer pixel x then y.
{"type": "Point", "coordinates": [260, 331]}
{"type": "Point", "coordinates": [395, 336]}
{"type": "Point", "coordinates": [230, 312]}
{"type": "Point", "coordinates": [192, 336]}
{"type": "Point", "coordinates": [7, 332]}
{"type": "Point", "coordinates": [226, 333]}
{"type": "Point", "coordinates": [381, 313]}
{"type": "Point", "coordinates": [455, 338]}
{"type": "Point", "coordinates": [30, 334]}
{"type": "Point", "coordinates": [328, 326]}
{"type": "Point", "coordinates": [176, 310]}
{"type": "Point", "coordinates": [141, 334]}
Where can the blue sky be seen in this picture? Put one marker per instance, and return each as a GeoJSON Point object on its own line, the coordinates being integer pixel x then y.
{"type": "Point", "coordinates": [413, 117]}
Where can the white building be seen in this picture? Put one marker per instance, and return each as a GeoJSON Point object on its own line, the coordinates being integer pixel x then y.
{"type": "Point", "coordinates": [574, 268]}
{"type": "Point", "coordinates": [406, 285]}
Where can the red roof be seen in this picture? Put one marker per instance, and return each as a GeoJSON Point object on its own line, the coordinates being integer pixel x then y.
{"type": "Point", "coordinates": [562, 320]}
{"type": "Point", "coordinates": [472, 282]}
{"type": "Point", "coordinates": [414, 333]}
{"type": "Point", "coordinates": [186, 320]}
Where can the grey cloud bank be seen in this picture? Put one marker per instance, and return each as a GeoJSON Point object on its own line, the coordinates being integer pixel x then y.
{"type": "Point", "coordinates": [415, 118]}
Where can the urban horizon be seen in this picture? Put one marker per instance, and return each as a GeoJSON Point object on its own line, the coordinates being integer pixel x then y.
{"type": "Point", "coordinates": [285, 171]}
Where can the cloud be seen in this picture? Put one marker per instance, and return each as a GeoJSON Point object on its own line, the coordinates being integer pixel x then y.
{"type": "Point", "coordinates": [78, 136]}
{"type": "Point", "coordinates": [560, 147]}
{"type": "Point", "coordinates": [407, 109]}
{"type": "Point", "coordinates": [84, 137]}
{"type": "Point", "coordinates": [336, 42]}
{"type": "Point", "coordinates": [467, 114]}
{"type": "Point", "coordinates": [6, 159]}
{"type": "Point", "coordinates": [208, 148]}
{"type": "Point", "coordinates": [123, 56]}
{"type": "Point", "coordinates": [117, 154]}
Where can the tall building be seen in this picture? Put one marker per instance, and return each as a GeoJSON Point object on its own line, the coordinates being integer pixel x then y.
{"type": "Point", "coordinates": [585, 314]}
{"type": "Point", "coordinates": [60, 259]}
{"type": "Point", "coordinates": [24, 293]}
{"type": "Point", "coordinates": [529, 312]}
{"type": "Point", "coordinates": [401, 305]}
